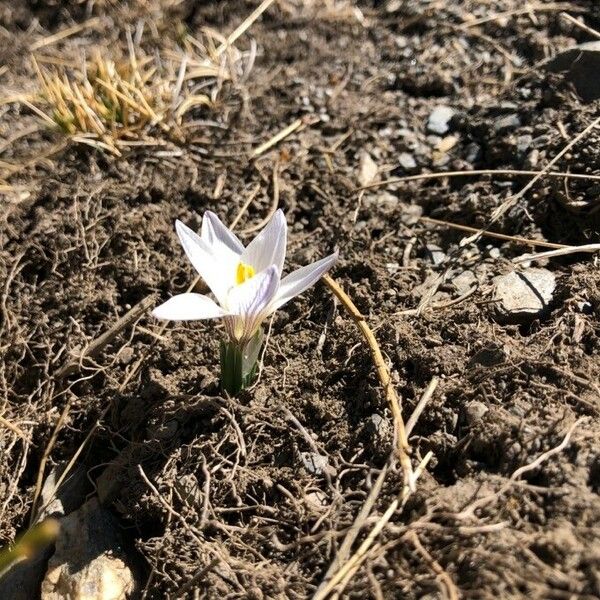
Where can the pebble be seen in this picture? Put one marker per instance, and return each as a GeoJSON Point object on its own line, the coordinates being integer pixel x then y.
{"type": "Point", "coordinates": [438, 256]}
{"type": "Point", "coordinates": [315, 464]}
{"type": "Point", "coordinates": [407, 161]}
{"type": "Point", "coordinates": [524, 294]}
{"type": "Point", "coordinates": [464, 282]}
{"type": "Point", "coordinates": [126, 355]}
{"type": "Point", "coordinates": [367, 169]}
{"type": "Point", "coordinates": [89, 562]}
{"type": "Point", "coordinates": [377, 425]}
{"type": "Point", "coordinates": [474, 411]}
{"type": "Point", "coordinates": [507, 123]}
{"type": "Point", "coordinates": [472, 152]}
{"type": "Point", "coordinates": [380, 434]}
{"type": "Point", "coordinates": [439, 119]}
{"type": "Point", "coordinates": [316, 500]}
{"type": "Point", "coordinates": [411, 214]}
{"type": "Point", "coordinates": [524, 143]}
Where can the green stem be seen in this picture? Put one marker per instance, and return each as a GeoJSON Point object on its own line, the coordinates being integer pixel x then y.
{"type": "Point", "coordinates": [239, 363]}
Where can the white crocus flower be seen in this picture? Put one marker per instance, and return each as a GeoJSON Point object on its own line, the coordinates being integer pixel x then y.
{"type": "Point", "coordinates": [246, 281]}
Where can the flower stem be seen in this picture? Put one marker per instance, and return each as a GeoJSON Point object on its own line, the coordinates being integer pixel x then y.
{"type": "Point", "coordinates": [239, 363]}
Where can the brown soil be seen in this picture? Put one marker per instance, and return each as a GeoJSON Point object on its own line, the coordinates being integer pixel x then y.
{"type": "Point", "coordinates": [93, 235]}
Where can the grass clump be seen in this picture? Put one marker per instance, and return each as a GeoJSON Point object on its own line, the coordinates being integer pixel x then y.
{"type": "Point", "coordinates": [118, 99]}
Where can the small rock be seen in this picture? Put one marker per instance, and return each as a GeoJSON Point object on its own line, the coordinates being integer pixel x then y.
{"type": "Point", "coordinates": [438, 256]}
{"type": "Point", "coordinates": [472, 152]}
{"type": "Point", "coordinates": [392, 268]}
{"type": "Point", "coordinates": [315, 464]}
{"type": "Point", "coordinates": [507, 123]}
{"type": "Point", "coordinates": [532, 159]}
{"type": "Point", "coordinates": [367, 169]}
{"type": "Point", "coordinates": [582, 65]}
{"type": "Point", "coordinates": [377, 425]}
{"type": "Point", "coordinates": [88, 563]}
{"type": "Point", "coordinates": [474, 411]}
{"type": "Point", "coordinates": [465, 282]}
{"type": "Point", "coordinates": [316, 500]}
{"type": "Point", "coordinates": [58, 502]}
{"type": "Point", "coordinates": [407, 161]}
{"type": "Point", "coordinates": [439, 120]}
{"type": "Point", "coordinates": [411, 214]}
{"type": "Point", "coordinates": [126, 355]}
{"type": "Point", "coordinates": [386, 198]}
{"type": "Point", "coordinates": [488, 357]}
{"type": "Point", "coordinates": [523, 294]}
{"type": "Point", "coordinates": [524, 143]}
{"type": "Point", "coordinates": [379, 433]}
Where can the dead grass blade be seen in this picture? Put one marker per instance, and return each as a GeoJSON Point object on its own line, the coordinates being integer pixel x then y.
{"type": "Point", "coordinates": [383, 373]}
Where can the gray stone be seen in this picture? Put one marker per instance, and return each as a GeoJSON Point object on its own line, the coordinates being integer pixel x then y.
{"type": "Point", "coordinates": [488, 357]}
{"type": "Point", "coordinates": [524, 143]}
{"type": "Point", "coordinates": [465, 282]}
{"type": "Point", "coordinates": [473, 152]}
{"type": "Point", "coordinates": [315, 464]}
{"type": "Point", "coordinates": [438, 256]}
{"type": "Point", "coordinates": [581, 65]}
{"type": "Point", "coordinates": [407, 161]}
{"type": "Point", "coordinates": [411, 214]}
{"type": "Point", "coordinates": [524, 294]}
{"type": "Point", "coordinates": [386, 198]}
{"type": "Point", "coordinates": [23, 580]}
{"type": "Point", "coordinates": [474, 411]}
{"type": "Point", "coordinates": [439, 120]}
{"type": "Point", "coordinates": [507, 123]}
{"type": "Point", "coordinates": [89, 562]}
{"type": "Point", "coordinates": [58, 502]}
{"type": "Point", "coordinates": [378, 426]}
{"type": "Point", "coordinates": [379, 432]}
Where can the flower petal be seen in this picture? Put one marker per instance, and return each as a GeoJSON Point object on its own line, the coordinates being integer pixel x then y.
{"type": "Point", "coordinates": [300, 280]}
{"type": "Point", "coordinates": [217, 271]}
{"type": "Point", "coordinates": [188, 307]}
{"type": "Point", "coordinates": [215, 234]}
{"type": "Point", "coordinates": [250, 300]}
{"type": "Point", "coordinates": [268, 247]}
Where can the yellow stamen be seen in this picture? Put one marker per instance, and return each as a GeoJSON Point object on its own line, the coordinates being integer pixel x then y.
{"type": "Point", "coordinates": [244, 272]}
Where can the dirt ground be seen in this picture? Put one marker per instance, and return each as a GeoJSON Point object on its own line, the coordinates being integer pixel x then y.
{"type": "Point", "coordinates": [218, 497]}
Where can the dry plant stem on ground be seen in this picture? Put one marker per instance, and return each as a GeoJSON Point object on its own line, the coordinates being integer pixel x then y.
{"type": "Point", "coordinates": [338, 570]}
{"type": "Point", "coordinates": [402, 445]}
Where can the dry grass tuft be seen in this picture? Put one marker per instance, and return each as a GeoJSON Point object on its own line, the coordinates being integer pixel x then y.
{"type": "Point", "coordinates": [117, 99]}
{"type": "Point", "coordinates": [103, 101]}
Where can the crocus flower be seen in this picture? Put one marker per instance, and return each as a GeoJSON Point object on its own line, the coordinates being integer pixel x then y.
{"type": "Point", "coordinates": [246, 282]}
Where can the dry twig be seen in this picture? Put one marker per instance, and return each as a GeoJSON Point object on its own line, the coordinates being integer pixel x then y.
{"type": "Point", "coordinates": [499, 236]}
{"type": "Point", "coordinates": [476, 173]}
{"type": "Point", "coordinates": [384, 377]}
{"type": "Point", "coordinates": [564, 251]}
